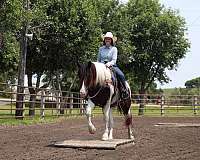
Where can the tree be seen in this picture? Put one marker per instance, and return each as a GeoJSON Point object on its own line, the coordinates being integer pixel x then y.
{"type": "Point", "coordinates": [193, 83]}
{"type": "Point", "coordinates": [15, 19]}
{"type": "Point", "coordinates": [157, 36]}
{"type": "Point", "coordinates": [64, 31]}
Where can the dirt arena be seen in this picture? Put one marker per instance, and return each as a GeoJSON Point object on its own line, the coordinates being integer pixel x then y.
{"type": "Point", "coordinates": [152, 143]}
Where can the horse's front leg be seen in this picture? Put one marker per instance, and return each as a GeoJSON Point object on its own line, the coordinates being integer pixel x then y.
{"type": "Point", "coordinates": [88, 112]}
{"type": "Point", "coordinates": [106, 111]}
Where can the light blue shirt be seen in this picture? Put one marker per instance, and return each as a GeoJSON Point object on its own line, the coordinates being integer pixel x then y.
{"type": "Point", "coordinates": [108, 54]}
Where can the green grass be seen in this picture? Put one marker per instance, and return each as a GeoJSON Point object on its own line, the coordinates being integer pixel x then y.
{"type": "Point", "coordinates": [155, 111]}
{"type": "Point", "coordinates": [97, 110]}
{"type": "Point", "coordinates": [51, 114]}
{"type": "Point", "coordinates": [29, 121]}
{"type": "Point", "coordinates": [168, 111]}
{"type": "Point", "coordinates": [8, 110]}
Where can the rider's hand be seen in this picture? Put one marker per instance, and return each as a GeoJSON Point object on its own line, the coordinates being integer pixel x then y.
{"type": "Point", "coordinates": [108, 64]}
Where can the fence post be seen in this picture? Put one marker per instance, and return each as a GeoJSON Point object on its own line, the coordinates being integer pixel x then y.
{"type": "Point", "coordinates": [195, 105]}
{"type": "Point", "coordinates": [81, 106]}
{"type": "Point", "coordinates": [11, 100]}
{"type": "Point", "coordinates": [71, 103]}
{"type": "Point", "coordinates": [42, 114]}
{"type": "Point", "coordinates": [162, 110]}
{"type": "Point", "coordinates": [58, 103]}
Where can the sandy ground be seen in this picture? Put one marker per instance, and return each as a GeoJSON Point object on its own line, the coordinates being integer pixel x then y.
{"type": "Point", "coordinates": [152, 143]}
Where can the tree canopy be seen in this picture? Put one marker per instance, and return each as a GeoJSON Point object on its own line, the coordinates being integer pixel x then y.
{"type": "Point", "coordinates": [151, 38]}
{"type": "Point", "coordinates": [158, 37]}
{"type": "Point", "coordinates": [9, 46]}
{"type": "Point", "coordinates": [193, 83]}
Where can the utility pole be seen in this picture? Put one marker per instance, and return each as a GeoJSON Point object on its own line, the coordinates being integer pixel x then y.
{"type": "Point", "coordinates": [19, 114]}
{"type": "Point", "coordinates": [198, 85]}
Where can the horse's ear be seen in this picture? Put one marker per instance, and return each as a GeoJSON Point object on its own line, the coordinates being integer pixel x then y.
{"type": "Point", "coordinates": [89, 64]}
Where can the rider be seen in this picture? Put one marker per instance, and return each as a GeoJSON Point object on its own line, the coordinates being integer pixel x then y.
{"type": "Point", "coordinates": [108, 55]}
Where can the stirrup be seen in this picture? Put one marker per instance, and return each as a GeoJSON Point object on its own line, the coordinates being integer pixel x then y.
{"type": "Point", "coordinates": [124, 94]}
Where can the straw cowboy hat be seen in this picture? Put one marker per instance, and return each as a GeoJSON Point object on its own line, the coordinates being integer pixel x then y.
{"type": "Point", "coordinates": [109, 35]}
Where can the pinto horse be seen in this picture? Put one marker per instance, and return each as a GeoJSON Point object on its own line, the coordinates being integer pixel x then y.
{"type": "Point", "coordinates": [98, 88]}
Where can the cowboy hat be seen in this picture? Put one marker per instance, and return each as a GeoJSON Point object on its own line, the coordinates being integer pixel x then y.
{"type": "Point", "coordinates": [109, 35]}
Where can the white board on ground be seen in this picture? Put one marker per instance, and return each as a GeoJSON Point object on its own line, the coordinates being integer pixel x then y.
{"type": "Point", "coordinates": [94, 144]}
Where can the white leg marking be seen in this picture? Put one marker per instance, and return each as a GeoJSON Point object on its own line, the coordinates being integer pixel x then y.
{"type": "Point", "coordinates": [106, 112]}
{"type": "Point", "coordinates": [83, 89]}
{"type": "Point", "coordinates": [111, 125]}
{"type": "Point", "coordinates": [106, 120]}
{"type": "Point", "coordinates": [88, 112]}
{"type": "Point", "coordinates": [130, 133]}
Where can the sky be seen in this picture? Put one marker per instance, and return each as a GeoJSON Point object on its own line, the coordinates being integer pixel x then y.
{"type": "Point", "coordinates": [189, 67]}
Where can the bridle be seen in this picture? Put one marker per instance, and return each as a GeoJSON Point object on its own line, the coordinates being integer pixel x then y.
{"type": "Point", "coordinates": [87, 89]}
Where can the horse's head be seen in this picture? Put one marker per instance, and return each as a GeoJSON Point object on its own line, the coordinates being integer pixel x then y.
{"type": "Point", "coordinates": [87, 77]}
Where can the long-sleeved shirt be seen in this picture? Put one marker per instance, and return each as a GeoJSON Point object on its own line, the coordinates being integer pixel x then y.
{"type": "Point", "coordinates": [107, 54]}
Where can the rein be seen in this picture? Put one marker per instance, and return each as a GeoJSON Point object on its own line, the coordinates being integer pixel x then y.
{"type": "Point", "coordinates": [90, 97]}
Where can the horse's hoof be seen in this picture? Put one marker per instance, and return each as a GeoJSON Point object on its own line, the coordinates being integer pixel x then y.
{"type": "Point", "coordinates": [105, 137]}
{"type": "Point", "coordinates": [132, 137]}
{"type": "Point", "coordinates": [92, 130]}
{"type": "Point", "coordinates": [110, 138]}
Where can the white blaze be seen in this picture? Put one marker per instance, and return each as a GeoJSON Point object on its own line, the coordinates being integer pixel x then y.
{"type": "Point", "coordinates": [83, 89]}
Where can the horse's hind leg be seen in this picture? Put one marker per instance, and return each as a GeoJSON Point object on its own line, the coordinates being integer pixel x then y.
{"type": "Point", "coordinates": [129, 124]}
{"type": "Point", "coordinates": [130, 133]}
{"type": "Point", "coordinates": [106, 111]}
{"type": "Point", "coordinates": [108, 120]}
{"type": "Point", "coordinates": [110, 125]}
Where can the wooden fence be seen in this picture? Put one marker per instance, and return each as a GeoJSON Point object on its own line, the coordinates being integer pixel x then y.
{"type": "Point", "coordinates": [50, 102]}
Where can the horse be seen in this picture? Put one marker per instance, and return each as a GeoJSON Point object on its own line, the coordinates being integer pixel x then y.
{"type": "Point", "coordinates": [96, 85]}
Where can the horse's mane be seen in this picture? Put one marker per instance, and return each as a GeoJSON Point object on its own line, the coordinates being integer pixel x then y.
{"type": "Point", "coordinates": [102, 73]}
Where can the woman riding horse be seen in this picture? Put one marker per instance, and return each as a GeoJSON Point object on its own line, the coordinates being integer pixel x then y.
{"type": "Point", "coordinates": [97, 88]}
{"type": "Point", "coordinates": [108, 55]}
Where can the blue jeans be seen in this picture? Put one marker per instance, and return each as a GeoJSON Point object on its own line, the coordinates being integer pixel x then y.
{"type": "Point", "coordinates": [119, 74]}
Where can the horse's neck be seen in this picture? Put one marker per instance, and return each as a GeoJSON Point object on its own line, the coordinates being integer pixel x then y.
{"type": "Point", "coordinates": [103, 73]}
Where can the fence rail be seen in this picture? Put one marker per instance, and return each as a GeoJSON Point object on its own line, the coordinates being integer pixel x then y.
{"type": "Point", "coordinates": [48, 102]}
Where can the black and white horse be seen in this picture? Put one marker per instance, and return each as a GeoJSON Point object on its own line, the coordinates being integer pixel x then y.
{"type": "Point", "coordinates": [97, 87]}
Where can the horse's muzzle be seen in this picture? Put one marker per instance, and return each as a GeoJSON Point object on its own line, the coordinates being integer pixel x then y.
{"type": "Point", "coordinates": [82, 95]}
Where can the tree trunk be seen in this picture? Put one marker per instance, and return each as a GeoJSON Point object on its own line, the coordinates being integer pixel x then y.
{"type": "Point", "coordinates": [142, 99]}
{"type": "Point", "coordinates": [62, 111]}
{"type": "Point", "coordinates": [32, 95]}
{"type": "Point", "coordinates": [19, 114]}
{"type": "Point", "coordinates": [32, 105]}
{"type": "Point", "coordinates": [33, 92]}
